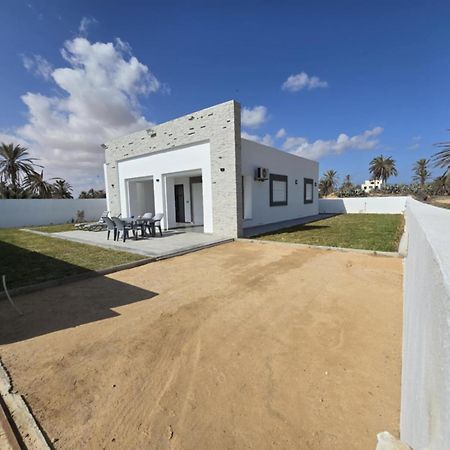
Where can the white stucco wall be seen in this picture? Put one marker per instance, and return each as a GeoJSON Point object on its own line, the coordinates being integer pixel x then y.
{"type": "Point", "coordinates": [28, 212]}
{"type": "Point", "coordinates": [355, 205]}
{"type": "Point", "coordinates": [425, 406]}
{"type": "Point", "coordinates": [162, 166]}
{"type": "Point", "coordinates": [281, 163]}
{"type": "Point", "coordinates": [141, 197]}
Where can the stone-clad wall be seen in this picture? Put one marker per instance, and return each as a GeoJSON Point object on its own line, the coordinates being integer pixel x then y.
{"type": "Point", "coordinates": [221, 126]}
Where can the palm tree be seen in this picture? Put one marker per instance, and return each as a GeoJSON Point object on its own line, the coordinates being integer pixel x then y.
{"type": "Point", "coordinates": [347, 183]}
{"type": "Point", "coordinates": [441, 185]}
{"type": "Point", "coordinates": [92, 193]}
{"type": "Point", "coordinates": [14, 164]}
{"type": "Point", "coordinates": [421, 172]}
{"type": "Point", "coordinates": [61, 189]}
{"type": "Point", "coordinates": [37, 186]}
{"type": "Point", "coordinates": [328, 182]}
{"type": "Point", "coordinates": [442, 158]}
{"type": "Point", "coordinates": [8, 191]}
{"type": "Point", "coordinates": [382, 168]}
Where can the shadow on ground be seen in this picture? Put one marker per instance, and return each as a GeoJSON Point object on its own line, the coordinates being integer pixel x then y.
{"type": "Point", "coordinates": [66, 306]}
{"type": "Point", "coordinates": [294, 229]}
{"type": "Point", "coordinates": [23, 267]}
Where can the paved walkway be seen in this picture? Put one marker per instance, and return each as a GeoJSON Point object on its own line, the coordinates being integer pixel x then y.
{"type": "Point", "coordinates": [262, 229]}
{"type": "Point", "coordinates": [172, 242]}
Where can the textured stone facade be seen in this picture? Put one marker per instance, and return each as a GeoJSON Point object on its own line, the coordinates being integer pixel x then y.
{"type": "Point", "coordinates": [220, 125]}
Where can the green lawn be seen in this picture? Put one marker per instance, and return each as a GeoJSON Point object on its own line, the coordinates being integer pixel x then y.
{"type": "Point", "coordinates": [381, 232]}
{"type": "Point", "coordinates": [28, 258]}
{"type": "Point", "coordinates": [55, 228]}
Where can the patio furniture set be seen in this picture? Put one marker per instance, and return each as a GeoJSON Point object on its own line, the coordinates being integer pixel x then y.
{"type": "Point", "coordinates": [146, 225]}
{"type": "Point", "coordinates": [141, 226]}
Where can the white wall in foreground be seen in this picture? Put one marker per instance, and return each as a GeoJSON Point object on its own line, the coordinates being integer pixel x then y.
{"type": "Point", "coordinates": [28, 212]}
{"type": "Point", "coordinates": [368, 205]}
{"type": "Point", "coordinates": [425, 407]}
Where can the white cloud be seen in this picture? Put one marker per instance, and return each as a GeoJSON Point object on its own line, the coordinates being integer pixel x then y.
{"type": "Point", "coordinates": [12, 138]}
{"type": "Point", "coordinates": [281, 133]}
{"type": "Point", "coordinates": [415, 142]}
{"type": "Point", "coordinates": [254, 117]}
{"type": "Point", "coordinates": [37, 65]}
{"type": "Point", "coordinates": [85, 23]}
{"type": "Point", "coordinates": [266, 139]}
{"type": "Point", "coordinates": [367, 140]}
{"type": "Point", "coordinates": [99, 99]}
{"type": "Point", "coordinates": [301, 81]}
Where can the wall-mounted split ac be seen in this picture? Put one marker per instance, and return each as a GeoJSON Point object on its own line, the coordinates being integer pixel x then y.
{"type": "Point", "coordinates": [261, 174]}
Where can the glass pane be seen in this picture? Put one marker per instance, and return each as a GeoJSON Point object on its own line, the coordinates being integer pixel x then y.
{"type": "Point", "coordinates": [279, 191]}
{"type": "Point", "coordinates": [309, 191]}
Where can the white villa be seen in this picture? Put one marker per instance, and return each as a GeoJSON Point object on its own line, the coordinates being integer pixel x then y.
{"type": "Point", "coordinates": [370, 185]}
{"type": "Point", "coordinates": [197, 170]}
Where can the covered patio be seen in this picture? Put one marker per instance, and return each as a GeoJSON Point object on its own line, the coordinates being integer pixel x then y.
{"type": "Point", "coordinates": [176, 184]}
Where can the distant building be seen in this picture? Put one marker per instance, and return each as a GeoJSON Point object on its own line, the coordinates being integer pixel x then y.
{"type": "Point", "coordinates": [370, 185]}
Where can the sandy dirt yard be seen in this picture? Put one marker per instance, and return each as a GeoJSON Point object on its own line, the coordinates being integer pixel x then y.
{"type": "Point", "coordinates": [443, 199]}
{"type": "Point", "coordinates": [241, 346]}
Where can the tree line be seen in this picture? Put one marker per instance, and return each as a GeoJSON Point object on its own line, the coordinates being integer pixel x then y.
{"type": "Point", "coordinates": [382, 168]}
{"type": "Point", "coordinates": [22, 177]}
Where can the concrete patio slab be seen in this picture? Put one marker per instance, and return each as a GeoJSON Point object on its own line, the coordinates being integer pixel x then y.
{"type": "Point", "coordinates": [171, 243]}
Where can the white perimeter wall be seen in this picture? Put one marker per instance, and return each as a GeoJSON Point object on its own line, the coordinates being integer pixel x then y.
{"type": "Point", "coordinates": [158, 165]}
{"type": "Point", "coordinates": [368, 205]}
{"type": "Point", "coordinates": [28, 212]}
{"type": "Point", "coordinates": [280, 163]}
{"type": "Point", "coordinates": [425, 408]}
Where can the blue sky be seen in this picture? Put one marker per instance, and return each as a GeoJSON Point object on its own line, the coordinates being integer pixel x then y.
{"type": "Point", "coordinates": [382, 76]}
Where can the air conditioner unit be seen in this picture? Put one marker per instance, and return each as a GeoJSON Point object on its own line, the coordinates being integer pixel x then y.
{"type": "Point", "coordinates": [261, 174]}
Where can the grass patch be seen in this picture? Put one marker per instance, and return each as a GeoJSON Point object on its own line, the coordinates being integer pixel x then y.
{"type": "Point", "coordinates": [380, 232]}
{"type": "Point", "coordinates": [55, 228]}
{"type": "Point", "coordinates": [28, 258]}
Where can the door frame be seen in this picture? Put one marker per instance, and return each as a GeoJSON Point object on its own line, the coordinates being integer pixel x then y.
{"type": "Point", "coordinates": [193, 180]}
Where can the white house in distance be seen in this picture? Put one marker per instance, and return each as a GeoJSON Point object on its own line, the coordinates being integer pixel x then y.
{"type": "Point", "coordinates": [198, 170]}
{"type": "Point", "coordinates": [370, 185]}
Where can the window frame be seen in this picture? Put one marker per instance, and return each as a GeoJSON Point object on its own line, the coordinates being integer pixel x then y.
{"type": "Point", "coordinates": [274, 177]}
{"type": "Point", "coordinates": [307, 181]}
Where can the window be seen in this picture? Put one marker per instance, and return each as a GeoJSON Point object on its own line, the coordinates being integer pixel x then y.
{"type": "Point", "coordinates": [278, 190]}
{"type": "Point", "coordinates": [308, 190]}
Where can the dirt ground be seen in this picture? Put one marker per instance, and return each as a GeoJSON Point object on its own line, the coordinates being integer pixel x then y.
{"type": "Point", "coordinates": [443, 199]}
{"type": "Point", "coordinates": [241, 346]}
